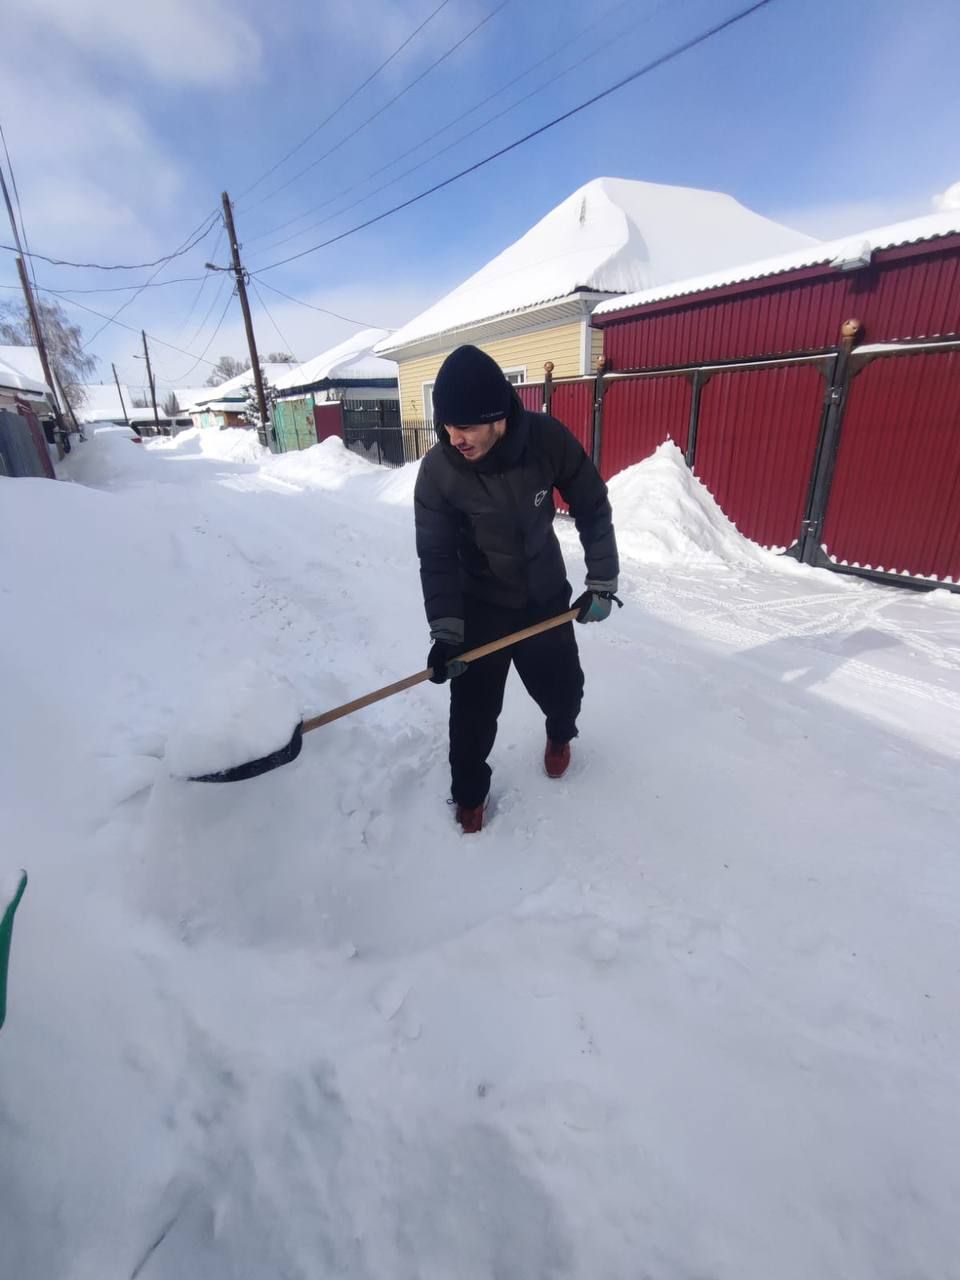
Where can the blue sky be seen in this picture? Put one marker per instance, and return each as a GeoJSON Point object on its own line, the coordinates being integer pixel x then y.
{"type": "Point", "coordinates": [125, 123]}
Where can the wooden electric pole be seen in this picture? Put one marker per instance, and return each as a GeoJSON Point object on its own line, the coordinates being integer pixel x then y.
{"type": "Point", "coordinates": [120, 394]}
{"type": "Point", "coordinates": [153, 388]}
{"type": "Point", "coordinates": [241, 279]}
{"type": "Point", "coordinates": [44, 358]}
{"type": "Point", "coordinates": [35, 320]}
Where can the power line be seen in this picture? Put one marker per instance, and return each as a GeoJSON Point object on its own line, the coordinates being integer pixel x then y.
{"type": "Point", "coordinates": [203, 284]}
{"type": "Point", "coordinates": [224, 280]}
{"type": "Point", "coordinates": [16, 196]}
{"type": "Point", "coordinates": [380, 110]}
{"type": "Point", "coordinates": [269, 314]}
{"type": "Point", "coordinates": [147, 283]}
{"type": "Point", "coordinates": [535, 133]}
{"type": "Point", "coordinates": [323, 310]}
{"type": "Point", "coordinates": [337, 109]}
{"type": "Point", "coordinates": [138, 288]}
{"type": "Point", "coordinates": [201, 358]}
{"type": "Point", "coordinates": [464, 137]}
{"type": "Point", "coordinates": [509, 83]}
{"type": "Point", "coordinates": [205, 227]}
{"type": "Point", "coordinates": [72, 302]}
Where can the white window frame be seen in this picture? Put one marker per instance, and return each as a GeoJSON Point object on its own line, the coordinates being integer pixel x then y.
{"type": "Point", "coordinates": [426, 392]}
{"type": "Point", "coordinates": [519, 372]}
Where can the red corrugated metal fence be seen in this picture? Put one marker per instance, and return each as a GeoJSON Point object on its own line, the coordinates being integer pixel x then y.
{"type": "Point", "coordinates": [638, 415]}
{"type": "Point", "coordinates": [531, 395]}
{"type": "Point", "coordinates": [895, 500]}
{"type": "Point", "coordinates": [756, 438]}
{"type": "Point", "coordinates": [572, 403]}
{"type": "Point", "coordinates": [895, 299]}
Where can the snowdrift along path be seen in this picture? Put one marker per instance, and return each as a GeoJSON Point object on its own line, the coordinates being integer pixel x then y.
{"type": "Point", "coordinates": [691, 1011]}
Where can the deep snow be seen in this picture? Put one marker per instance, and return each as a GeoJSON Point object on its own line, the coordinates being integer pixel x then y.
{"type": "Point", "coordinates": [691, 1011]}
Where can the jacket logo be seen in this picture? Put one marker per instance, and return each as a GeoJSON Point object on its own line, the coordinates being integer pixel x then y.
{"type": "Point", "coordinates": [540, 497]}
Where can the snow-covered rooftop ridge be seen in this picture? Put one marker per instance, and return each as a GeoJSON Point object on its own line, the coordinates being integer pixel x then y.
{"type": "Point", "coordinates": [353, 358]}
{"type": "Point", "coordinates": [20, 369]}
{"type": "Point", "coordinates": [187, 396]}
{"type": "Point", "coordinates": [102, 403]}
{"type": "Point", "coordinates": [613, 235]}
{"type": "Point", "coordinates": [930, 226]}
{"type": "Point", "coordinates": [235, 388]}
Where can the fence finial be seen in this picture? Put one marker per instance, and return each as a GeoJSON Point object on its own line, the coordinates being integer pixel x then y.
{"type": "Point", "coordinates": [851, 331]}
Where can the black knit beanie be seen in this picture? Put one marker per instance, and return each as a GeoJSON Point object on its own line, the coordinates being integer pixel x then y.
{"type": "Point", "coordinates": [470, 388]}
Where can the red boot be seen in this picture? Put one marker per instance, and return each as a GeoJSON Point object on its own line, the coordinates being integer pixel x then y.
{"type": "Point", "coordinates": [556, 758]}
{"type": "Point", "coordinates": [471, 820]}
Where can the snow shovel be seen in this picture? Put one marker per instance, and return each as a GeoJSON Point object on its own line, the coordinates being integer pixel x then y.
{"type": "Point", "coordinates": [290, 751]}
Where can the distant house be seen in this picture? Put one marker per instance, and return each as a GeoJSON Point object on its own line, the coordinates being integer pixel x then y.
{"type": "Point", "coordinates": [316, 398]}
{"type": "Point", "coordinates": [101, 402]}
{"type": "Point", "coordinates": [226, 405]}
{"type": "Point", "coordinates": [25, 403]}
{"type": "Point", "coordinates": [532, 303]}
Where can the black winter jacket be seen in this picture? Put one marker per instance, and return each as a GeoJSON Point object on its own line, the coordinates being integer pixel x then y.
{"type": "Point", "coordinates": [485, 528]}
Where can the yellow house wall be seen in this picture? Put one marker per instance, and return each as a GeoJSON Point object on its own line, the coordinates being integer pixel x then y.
{"type": "Point", "coordinates": [529, 351]}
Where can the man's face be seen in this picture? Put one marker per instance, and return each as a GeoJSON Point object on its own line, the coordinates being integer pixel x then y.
{"type": "Point", "coordinates": [474, 443]}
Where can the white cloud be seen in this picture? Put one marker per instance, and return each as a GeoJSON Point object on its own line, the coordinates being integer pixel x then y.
{"type": "Point", "coordinates": [948, 200]}
{"type": "Point", "coordinates": [180, 41]}
{"type": "Point", "coordinates": [92, 178]}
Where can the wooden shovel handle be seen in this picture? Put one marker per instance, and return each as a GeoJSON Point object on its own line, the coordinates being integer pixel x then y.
{"type": "Point", "coordinates": [348, 708]}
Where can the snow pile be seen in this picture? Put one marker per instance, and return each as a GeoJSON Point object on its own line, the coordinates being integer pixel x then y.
{"type": "Point", "coordinates": [299, 1026]}
{"type": "Point", "coordinates": [665, 516]}
{"type": "Point", "coordinates": [243, 713]}
{"type": "Point", "coordinates": [232, 444]}
{"type": "Point", "coordinates": [328, 465]}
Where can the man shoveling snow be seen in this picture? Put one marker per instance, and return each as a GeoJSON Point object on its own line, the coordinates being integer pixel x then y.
{"type": "Point", "coordinates": [490, 563]}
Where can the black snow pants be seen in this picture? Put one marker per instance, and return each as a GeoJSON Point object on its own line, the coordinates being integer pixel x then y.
{"type": "Point", "coordinates": [549, 667]}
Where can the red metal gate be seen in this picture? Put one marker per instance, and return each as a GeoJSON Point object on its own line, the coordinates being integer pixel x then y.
{"type": "Point", "coordinates": [895, 499]}
{"type": "Point", "coordinates": [572, 403]}
{"type": "Point", "coordinates": [756, 439]}
{"type": "Point", "coordinates": [328, 419]}
{"type": "Point", "coordinates": [638, 415]}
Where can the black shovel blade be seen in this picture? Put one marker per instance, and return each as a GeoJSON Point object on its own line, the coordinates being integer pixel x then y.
{"type": "Point", "coordinates": [253, 768]}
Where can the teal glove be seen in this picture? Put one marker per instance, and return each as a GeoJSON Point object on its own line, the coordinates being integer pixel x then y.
{"type": "Point", "coordinates": [595, 606]}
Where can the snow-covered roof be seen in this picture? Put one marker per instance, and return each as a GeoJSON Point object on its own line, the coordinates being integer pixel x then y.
{"type": "Point", "coordinates": [613, 235]}
{"type": "Point", "coordinates": [234, 405]}
{"type": "Point", "coordinates": [236, 388]}
{"type": "Point", "coordinates": [101, 403]}
{"type": "Point", "coordinates": [20, 368]}
{"type": "Point", "coordinates": [853, 248]}
{"type": "Point", "coordinates": [187, 396]}
{"type": "Point", "coordinates": [354, 359]}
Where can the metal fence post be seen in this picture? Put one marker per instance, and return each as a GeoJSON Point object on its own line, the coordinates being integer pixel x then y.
{"type": "Point", "coordinates": [699, 380]}
{"type": "Point", "coordinates": [598, 411]}
{"type": "Point", "coordinates": [825, 458]}
{"type": "Point", "coordinates": [547, 385]}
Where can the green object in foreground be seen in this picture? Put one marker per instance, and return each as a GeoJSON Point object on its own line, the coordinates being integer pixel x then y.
{"type": "Point", "coordinates": [6, 932]}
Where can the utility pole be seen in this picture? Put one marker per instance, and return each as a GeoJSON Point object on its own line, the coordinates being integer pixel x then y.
{"type": "Point", "coordinates": [34, 319]}
{"type": "Point", "coordinates": [120, 394]}
{"type": "Point", "coordinates": [44, 359]}
{"type": "Point", "coordinates": [241, 279]}
{"type": "Point", "coordinates": [153, 387]}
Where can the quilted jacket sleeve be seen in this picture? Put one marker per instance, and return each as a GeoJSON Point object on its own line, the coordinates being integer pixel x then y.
{"type": "Point", "coordinates": [437, 525]}
{"type": "Point", "coordinates": [581, 487]}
